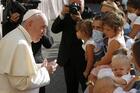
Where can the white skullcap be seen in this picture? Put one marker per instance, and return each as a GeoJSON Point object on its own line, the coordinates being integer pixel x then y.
{"type": "Point", "coordinates": [32, 12]}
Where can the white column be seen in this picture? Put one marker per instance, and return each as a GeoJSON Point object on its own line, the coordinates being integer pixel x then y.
{"type": "Point", "coordinates": [1, 14]}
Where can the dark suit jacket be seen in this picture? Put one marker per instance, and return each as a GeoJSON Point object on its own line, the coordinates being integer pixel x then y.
{"type": "Point", "coordinates": [70, 47]}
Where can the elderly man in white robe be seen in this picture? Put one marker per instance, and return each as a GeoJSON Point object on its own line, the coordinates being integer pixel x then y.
{"type": "Point", "coordinates": [18, 71]}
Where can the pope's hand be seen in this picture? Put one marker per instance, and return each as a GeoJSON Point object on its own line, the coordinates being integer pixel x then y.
{"type": "Point", "coordinates": [50, 66]}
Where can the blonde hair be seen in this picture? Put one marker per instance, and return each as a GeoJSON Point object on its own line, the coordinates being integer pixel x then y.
{"type": "Point", "coordinates": [110, 4]}
{"type": "Point", "coordinates": [123, 51]}
{"type": "Point", "coordinates": [121, 59]}
{"type": "Point", "coordinates": [85, 26]}
{"type": "Point", "coordinates": [114, 20]}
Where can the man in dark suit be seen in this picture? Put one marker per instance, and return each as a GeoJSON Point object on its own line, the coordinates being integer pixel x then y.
{"type": "Point", "coordinates": [71, 55]}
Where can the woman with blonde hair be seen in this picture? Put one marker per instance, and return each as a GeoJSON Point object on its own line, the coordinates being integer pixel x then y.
{"type": "Point", "coordinates": [109, 6]}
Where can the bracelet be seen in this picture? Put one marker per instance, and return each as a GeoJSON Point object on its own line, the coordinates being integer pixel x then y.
{"type": "Point", "coordinates": [90, 83]}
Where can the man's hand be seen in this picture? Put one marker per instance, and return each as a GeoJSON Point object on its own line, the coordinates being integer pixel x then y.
{"type": "Point", "coordinates": [76, 17]}
{"type": "Point", "coordinates": [65, 10]}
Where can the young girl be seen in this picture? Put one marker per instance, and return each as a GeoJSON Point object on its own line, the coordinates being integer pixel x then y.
{"type": "Point", "coordinates": [113, 29]}
{"type": "Point", "coordinates": [84, 32]}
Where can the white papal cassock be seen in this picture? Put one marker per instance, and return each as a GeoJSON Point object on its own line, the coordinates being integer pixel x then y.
{"type": "Point", "coordinates": [18, 71]}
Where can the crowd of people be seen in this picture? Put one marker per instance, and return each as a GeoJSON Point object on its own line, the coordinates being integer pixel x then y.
{"type": "Point", "coordinates": [121, 33]}
{"type": "Point", "coordinates": [96, 50]}
{"type": "Point", "coordinates": [112, 31]}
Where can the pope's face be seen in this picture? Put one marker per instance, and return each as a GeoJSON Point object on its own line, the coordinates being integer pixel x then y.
{"type": "Point", "coordinates": [38, 29]}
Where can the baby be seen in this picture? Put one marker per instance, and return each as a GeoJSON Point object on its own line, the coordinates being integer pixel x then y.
{"type": "Point", "coordinates": [118, 70]}
{"type": "Point", "coordinates": [107, 85]}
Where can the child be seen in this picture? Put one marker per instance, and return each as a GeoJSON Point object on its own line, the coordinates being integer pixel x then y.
{"type": "Point", "coordinates": [107, 85]}
{"type": "Point", "coordinates": [131, 8]}
{"type": "Point", "coordinates": [119, 70]}
{"type": "Point", "coordinates": [121, 67]}
{"type": "Point", "coordinates": [135, 33]}
{"type": "Point", "coordinates": [84, 32]}
{"type": "Point", "coordinates": [113, 29]}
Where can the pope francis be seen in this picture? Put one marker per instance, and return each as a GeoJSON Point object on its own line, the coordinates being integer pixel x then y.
{"type": "Point", "coordinates": [18, 71]}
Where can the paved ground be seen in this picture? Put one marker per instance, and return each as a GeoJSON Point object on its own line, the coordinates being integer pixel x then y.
{"type": "Point", "coordinates": [57, 84]}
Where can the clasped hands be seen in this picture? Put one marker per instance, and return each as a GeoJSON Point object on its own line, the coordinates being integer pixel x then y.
{"type": "Point", "coordinates": [50, 66]}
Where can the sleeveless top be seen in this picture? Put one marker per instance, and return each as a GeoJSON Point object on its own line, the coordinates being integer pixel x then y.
{"type": "Point", "coordinates": [98, 50]}
{"type": "Point", "coordinates": [91, 41]}
{"type": "Point", "coordinates": [120, 39]}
